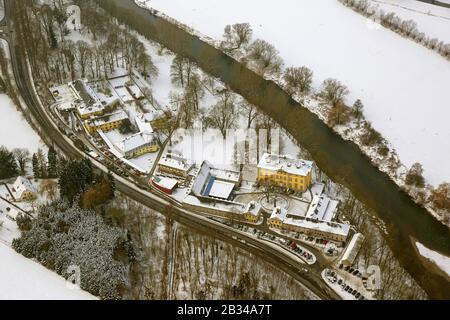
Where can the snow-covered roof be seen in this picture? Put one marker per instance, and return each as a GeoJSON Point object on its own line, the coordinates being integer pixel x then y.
{"type": "Point", "coordinates": [279, 213]}
{"type": "Point", "coordinates": [136, 141]}
{"type": "Point", "coordinates": [226, 175]}
{"type": "Point", "coordinates": [253, 208]}
{"type": "Point", "coordinates": [328, 227]}
{"type": "Point", "coordinates": [22, 185]}
{"type": "Point", "coordinates": [91, 102]}
{"type": "Point", "coordinates": [221, 189]}
{"type": "Point", "coordinates": [143, 124]}
{"type": "Point", "coordinates": [176, 162]}
{"type": "Point", "coordinates": [201, 178]}
{"type": "Point", "coordinates": [64, 96]}
{"type": "Point", "coordinates": [117, 116]}
{"type": "Point", "coordinates": [285, 163]}
{"type": "Point", "coordinates": [353, 248]}
{"type": "Point", "coordinates": [166, 183]}
{"type": "Point", "coordinates": [322, 208]}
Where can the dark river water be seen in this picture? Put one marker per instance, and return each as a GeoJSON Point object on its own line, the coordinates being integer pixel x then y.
{"type": "Point", "coordinates": [342, 161]}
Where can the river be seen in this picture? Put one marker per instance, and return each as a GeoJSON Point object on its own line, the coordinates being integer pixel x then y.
{"type": "Point", "coordinates": [341, 160]}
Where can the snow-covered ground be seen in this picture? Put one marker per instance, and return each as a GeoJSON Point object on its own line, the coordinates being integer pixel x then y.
{"type": "Point", "coordinates": [441, 261]}
{"type": "Point", "coordinates": [434, 21]}
{"type": "Point", "coordinates": [403, 85]}
{"type": "Point", "coordinates": [15, 132]}
{"type": "Point", "coordinates": [24, 279]}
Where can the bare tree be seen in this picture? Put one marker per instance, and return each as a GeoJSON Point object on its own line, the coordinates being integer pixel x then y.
{"type": "Point", "coordinates": [265, 57]}
{"type": "Point", "coordinates": [237, 35]}
{"type": "Point", "coordinates": [333, 92]}
{"type": "Point", "coordinates": [223, 116]}
{"type": "Point", "coordinates": [298, 80]}
{"type": "Point", "coordinates": [23, 157]}
{"type": "Point", "coordinates": [250, 112]}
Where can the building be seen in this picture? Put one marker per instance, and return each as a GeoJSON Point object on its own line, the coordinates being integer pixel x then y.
{"type": "Point", "coordinates": [89, 105]}
{"type": "Point", "coordinates": [65, 97]}
{"type": "Point", "coordinates": [215, 183]}
{"type": "Point", "coordinates": [286, 171]}
{"type": "Point", "coordinates": [166, 185]}
{"type": "Point", "coordinates": [138, 144]}
{"type": "Point", "coordinates": [159, 119]}
{"type": "Point", "coordinates": [107, 122]}
{"type": "Point", "coordinates": [143, 124]}
{"type": "Point", "coordinates": [174, 165]}
{"type": "Point", "coordinates": [252, 212]}
{"type": "Point", "coordinates": [334, 231]}
{"type": "Point", "coordinates": [24, 190]}
{"type": "Point", "coordinates": [322, 208]}
{"type": "Point", "coordinates": [351, 252]}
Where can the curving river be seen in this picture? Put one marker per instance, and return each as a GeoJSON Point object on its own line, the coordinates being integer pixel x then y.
{"type": "Point", "coordinates": [341, 160]}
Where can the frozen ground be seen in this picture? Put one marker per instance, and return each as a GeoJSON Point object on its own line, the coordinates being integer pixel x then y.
{"type": "Point", "coordinates": [15, 132]}
{"type": "Point", "coordinates": [403, 85]}
{"type": "Point", "coordinates": [441, 261]}
{"type": "Point", "coordinates": [434, 21]}
{"type": "Point", "coordinates": [24, 279]}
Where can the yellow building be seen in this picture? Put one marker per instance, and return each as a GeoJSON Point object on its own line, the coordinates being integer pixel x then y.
{"type": "Point", "coordinates": [252, 212]}
{"type": "Point", "coordinates": [107, 122]}
{"type": "Point", "coordinates": [138, 144]}
{"type": "Point", "coordinates": [285, 171]}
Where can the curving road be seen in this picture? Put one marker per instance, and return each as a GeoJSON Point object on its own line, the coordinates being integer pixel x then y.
{"type": "Point", "coordinates": [308, 276]}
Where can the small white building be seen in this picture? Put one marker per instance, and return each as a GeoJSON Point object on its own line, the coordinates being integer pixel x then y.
{"type": "Point", "coordinates": [351, 252]}
{"type": "Point", "coordinates": [24, 190]}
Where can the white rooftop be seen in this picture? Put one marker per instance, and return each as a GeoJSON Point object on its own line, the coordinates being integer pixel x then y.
{"type": "Point", "coordinates": [227, 175]}
{"type": "Point", "coordinates": [253, 208]}
{"type": "Point", "coordinates": [322, 208]}
{"type": "Point", "coordinates": [176, 162]}
{"type": "Point", "coordinates": [285, 163]}
{"type": "Point", "coordinates": [143, 124]}
{"type": "Point", "coordinates": [166, 183]}
{"type": "Point", "coordinates": [136, 141]}
{"type": "Point", "coordinates": [91, 102]}
{"type": "Point", "coordinates": [120, 115]}
{"type": "Point", "coordinates": [22, 185]}
{"type": "Point", "coordinates": [221, 189]}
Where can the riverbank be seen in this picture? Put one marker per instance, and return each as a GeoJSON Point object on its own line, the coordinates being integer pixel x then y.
{"type": "Point", "coordinates": [387, 116]}
{"type": "Point", "coordinates": [342, 161]}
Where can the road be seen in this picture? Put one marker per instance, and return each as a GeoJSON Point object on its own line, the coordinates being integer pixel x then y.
{"type": "Point", "coordinates": [311, 278]}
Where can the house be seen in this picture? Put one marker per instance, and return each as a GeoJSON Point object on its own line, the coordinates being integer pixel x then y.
{"type": "Point", "coordinates": [281, 219]}
{"type": "Point", "coordinates": [166, 185]}
{"type": "Point", "coordinates": [286, 171]}
{"type": "Point", "coordinates": [89, 105]}
{"type": "Point", "coordinates": [351, 252]}
{"type": "Point", "coordinates": [174, 165]}
{"type": "Point", "coordinates": [107, 122]}
{"type": "Point", "coordinates": [215, 183]}
{"type": "Point", "coordinates": [24, 190]}
{"type": "Point", "coordinates": [252, 212]}
{"type": "Point", "coordinates": [138, 144]}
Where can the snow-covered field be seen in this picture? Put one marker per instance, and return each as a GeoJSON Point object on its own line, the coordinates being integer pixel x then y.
{"type": "Point", "coordinates": [15, 132]}
{"type": "Point", "coordinates": [441, 261]}
{"type": "Point", "coordinates": [434, 21]}
{"type": "Point", "coordinates": [24, 279]}
{"type": "Point", "coordinates": [403, 85]}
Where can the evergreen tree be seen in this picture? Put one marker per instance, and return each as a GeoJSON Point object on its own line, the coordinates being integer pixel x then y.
{"type": "Point", "coordinates": [358, 109]}
{"type": "Point", "coordinates": [35, 164]}
{"type": "Point", "coordinates": [8, 164]}
{"type": "Point", "coordinates": [75, 178]}
{"type": "Point", "coordinates": [52, 160]}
